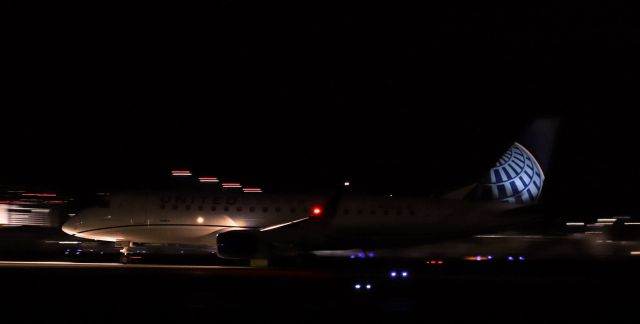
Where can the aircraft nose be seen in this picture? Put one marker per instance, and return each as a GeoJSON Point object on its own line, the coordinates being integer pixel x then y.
{"type": "Point", "coordinates": [75, 224]}
{"type": "Point", "coordinates": [70, 227]}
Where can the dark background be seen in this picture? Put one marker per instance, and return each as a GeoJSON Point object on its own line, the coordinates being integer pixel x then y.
{"type": "Point", "coordinates": [303, 95]}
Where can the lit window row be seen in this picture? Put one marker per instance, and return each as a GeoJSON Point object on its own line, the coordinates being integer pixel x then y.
{"type": "Point", "coordinates": [374, 212]}
{"type": "Point", "coordinates": [251, 209]}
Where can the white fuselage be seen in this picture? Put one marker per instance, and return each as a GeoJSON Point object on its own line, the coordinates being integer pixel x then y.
{"type": "Point", "coordinates": [196, 218]}
{"type": "Point", "coordinates": [184, 218]}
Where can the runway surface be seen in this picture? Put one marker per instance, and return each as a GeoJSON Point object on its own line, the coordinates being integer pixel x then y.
{"type": "Point", "coordinates": [98, 265]}
{"type": "Point", "coordinates": [467, 292]}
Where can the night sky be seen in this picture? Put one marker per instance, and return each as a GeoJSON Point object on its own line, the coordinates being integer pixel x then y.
{"type": "Point", "coordinates": [292, 96]}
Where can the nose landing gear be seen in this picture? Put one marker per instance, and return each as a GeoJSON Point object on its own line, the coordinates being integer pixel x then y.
{"type": "Point", "coordinates": [124, 259]}
{"type": "Point", "coordinates": [126, 250]}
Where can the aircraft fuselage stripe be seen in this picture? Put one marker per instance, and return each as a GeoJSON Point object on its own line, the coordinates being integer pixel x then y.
{"type": "Point", "coordinates": [164, 225]}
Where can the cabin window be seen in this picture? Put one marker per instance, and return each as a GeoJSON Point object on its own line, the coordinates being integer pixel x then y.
{"type": "Point", "coordinates": [277, 209]}
{"type": "Point", "coordinates": [252, 209]}
{"type": "Point", "coordinates": [187, 207]}
{"type": "Point", "coordinates": [213, 208]}
{"type": "Point", "coordinates": [386, 213]}
{"type": "Point", "coordinates": [265, 209]}
{"type": "Point", "coordinates": [359, 211]}
{"type": "Point", "coordinates": [372, 212]}
{"type": "Point", "coordinates": [239, 208]}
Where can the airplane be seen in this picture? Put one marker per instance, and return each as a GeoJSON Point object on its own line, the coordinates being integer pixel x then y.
{"type": "Point", "coordinates": [240, 225]}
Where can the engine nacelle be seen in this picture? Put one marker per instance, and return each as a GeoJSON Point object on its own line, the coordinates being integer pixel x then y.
{"type": "Point", "coordinates": [284, 241]}
{"type": "Point", "coordinates": [240, 244]}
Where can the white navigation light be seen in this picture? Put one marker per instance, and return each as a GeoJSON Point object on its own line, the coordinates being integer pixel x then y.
{"type": "Point", "coordinates": [200, 220]}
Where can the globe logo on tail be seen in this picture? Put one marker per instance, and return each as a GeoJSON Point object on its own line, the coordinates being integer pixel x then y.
{"type": "Point", "coordinates": [516, 178]}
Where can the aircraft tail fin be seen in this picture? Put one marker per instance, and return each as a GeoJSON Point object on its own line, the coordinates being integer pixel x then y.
{"type": "Point", "coordinates": [518, 176]}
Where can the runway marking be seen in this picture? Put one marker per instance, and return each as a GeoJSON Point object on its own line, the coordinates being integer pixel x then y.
{"type": "Point", "coordinates": [59, 264]}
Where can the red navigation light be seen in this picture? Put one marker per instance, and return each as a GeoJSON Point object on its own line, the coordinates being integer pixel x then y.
{"type": "Point", "coordinates": [316, 211]}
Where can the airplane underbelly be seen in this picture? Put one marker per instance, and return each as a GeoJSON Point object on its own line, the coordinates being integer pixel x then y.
{"type": "Point", "coordinates": [176, 234]}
